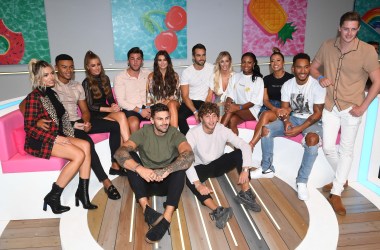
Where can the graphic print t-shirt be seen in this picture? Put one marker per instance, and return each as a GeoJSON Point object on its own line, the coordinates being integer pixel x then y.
{"type": "Point", "coordinates": [302, 97]}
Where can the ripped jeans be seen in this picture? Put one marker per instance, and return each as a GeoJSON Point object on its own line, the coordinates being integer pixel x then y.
{"type": "Point", "coordinates": [276, 129]}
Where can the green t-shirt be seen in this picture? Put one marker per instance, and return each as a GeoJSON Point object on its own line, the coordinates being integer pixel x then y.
{"type": "Point", "coordinates": [157, 151]}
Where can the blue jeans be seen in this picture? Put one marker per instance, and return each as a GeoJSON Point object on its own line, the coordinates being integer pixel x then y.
{"type": "Point", "coordinates": [276, 129]}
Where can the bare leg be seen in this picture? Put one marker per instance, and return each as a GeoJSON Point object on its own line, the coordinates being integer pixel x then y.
{"type": "Point", "coordinates": [168, 213]}
{"type": "Point", "coordinates": [210, 204]}
{"type": "Point", "coordinates": [78, 154]}
{"type": "Point", "coordinates": [226, 119]}
{"type": "Point", "coordinates": [134, 123]}
{"type": "Point", "coordinates": [123, 122]}
{"type": "Point", "coordinates": [173, 110]}
{"type": "Point", "coordinates": [265, 118]}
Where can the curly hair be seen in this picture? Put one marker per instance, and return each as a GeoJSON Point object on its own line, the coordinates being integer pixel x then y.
{"type": "Point", "coordinates": [164, 87]}
{"type": "Point", "coordinates": [92, 80]}
{"type": "Point", "coordinates": [208, 108]}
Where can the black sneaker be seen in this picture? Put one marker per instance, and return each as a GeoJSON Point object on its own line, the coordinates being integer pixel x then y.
{"type": "Point", "coordinates": [121, 171]}
{"type": "Point", "coordinates": [248, 199]}
{"type": "Point", "coordinates": [221, 215]}
{"type": "Point", "coordinates": [151, 216]}
{"type": "Point", "coordinates": [156, 233]}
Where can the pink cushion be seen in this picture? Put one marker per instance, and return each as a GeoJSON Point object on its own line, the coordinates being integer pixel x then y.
{"type": "Point", "coordinates": [99, 137]}
{"type": "Point", "coordinates": [142, 123]}
{"type": "Point", "coordinates": [19, 138]}
{"type": "Point", "coordinates": [191, 120]}
{"type": "Point", "coordinates": [250, 124]}
{"type": "Point", "coordinates": [29, 163]}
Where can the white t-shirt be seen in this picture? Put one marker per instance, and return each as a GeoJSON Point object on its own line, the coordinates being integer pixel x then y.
{"type": "Point", "coordinates": [303, 97]}
{"type": "Point", "coordinates": [241, 90]}
{"type": "Point", "coordinates": [197, 81]}
{"type": "Point", "coordinates": [209, 147]}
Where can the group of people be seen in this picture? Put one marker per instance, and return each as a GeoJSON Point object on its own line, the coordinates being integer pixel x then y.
{"type": "Point", "coordinates": [171, 154]}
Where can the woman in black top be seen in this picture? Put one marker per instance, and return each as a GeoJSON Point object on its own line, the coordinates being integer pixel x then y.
{"type": "Point", "coordinates": [272, 94]}
{"type": "Point", "coordinates": [99, 94]}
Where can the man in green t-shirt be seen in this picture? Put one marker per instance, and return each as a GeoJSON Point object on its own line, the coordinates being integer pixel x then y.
{"type": "Point", "coordinates": [165, 155]}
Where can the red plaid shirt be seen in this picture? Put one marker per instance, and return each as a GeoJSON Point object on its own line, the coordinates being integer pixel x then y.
{"type": "Point", "coordinates": [34, 111]}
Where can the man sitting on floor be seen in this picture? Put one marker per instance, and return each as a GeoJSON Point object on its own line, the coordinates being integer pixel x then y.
{"type": "Point", "coordinates": [208, 140]}
{"type": "Point", "coordinates": [160, 169]}
{"type": "Point", "coordinates": [302, 99]}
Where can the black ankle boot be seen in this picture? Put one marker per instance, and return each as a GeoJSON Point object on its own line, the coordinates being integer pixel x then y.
{"type": "Point", "coordinates": [53, 199]}
{"type": "Point", "coordinates": [82, 195]}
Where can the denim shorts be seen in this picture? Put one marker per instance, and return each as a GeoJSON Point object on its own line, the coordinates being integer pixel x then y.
{"type": "Point", "coordinates": [275, 103]}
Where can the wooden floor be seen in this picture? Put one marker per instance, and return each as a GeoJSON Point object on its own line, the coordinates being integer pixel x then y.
{"type": "Point", "coordinates": [282, 224]}
{"type": "Point", "coordinates": [360, 228]}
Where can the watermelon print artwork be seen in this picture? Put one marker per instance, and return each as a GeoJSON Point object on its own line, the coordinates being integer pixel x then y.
{"type": "Point", "coordinates": [274, 23]}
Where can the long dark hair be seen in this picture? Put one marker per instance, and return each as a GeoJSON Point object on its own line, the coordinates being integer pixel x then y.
{"type": "Point", "coordinates": [256, 68]}
{"type": "Point", "coordinates": [92, 81]}
{"type": "Point", "coordinates": [164, 87]}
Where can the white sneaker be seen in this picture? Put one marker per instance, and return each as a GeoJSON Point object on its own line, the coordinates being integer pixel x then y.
{"type": "Point", "coordinates": [303, 193]}
{"type": "Point", "coordinates": [259, 173]}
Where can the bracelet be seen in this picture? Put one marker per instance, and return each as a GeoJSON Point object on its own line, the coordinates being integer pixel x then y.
{"type": "Point", "coordinates": [320, 77]}
{"type": "Point", "coordinates": [241, 107]}
{"type": "Point", "coordinates": [135, 167]}
{"type": "Point", "coordinates": [140, 111]}
{"type": "Point", "coordinates": [246, 169]}
{"type": "Point", "coordinates": [196, 111]}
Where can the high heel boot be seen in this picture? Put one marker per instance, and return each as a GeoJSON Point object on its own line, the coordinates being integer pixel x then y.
{"type": "Point", "coordinates": [82, 195]}
{"type": "Point", "coordinates": [53, 199]}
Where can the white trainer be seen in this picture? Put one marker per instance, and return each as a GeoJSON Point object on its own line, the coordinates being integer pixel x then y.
{"type": "Point", "coordinates": [303, 193]}
{"type": "Point", "coordinates": [259, 173]}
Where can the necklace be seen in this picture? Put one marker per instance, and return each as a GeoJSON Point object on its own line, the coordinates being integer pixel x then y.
{"type": "Point", "coordinates": [300, 88]}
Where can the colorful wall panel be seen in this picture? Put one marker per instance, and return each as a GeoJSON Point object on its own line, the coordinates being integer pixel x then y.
{"type": "Point", "coordinates": [274, 23]}
{"type": "Point", "coordinates": [150, 25]}
{"type": "Point", "coordinates": [370, 24]}
{"type": "Point", "coordinates": [23, 32]}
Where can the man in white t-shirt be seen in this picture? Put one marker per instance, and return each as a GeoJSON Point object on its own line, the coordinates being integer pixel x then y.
{"type": "Point", "coordinates": [194, 86]}
{"type": "Point", "coordinates": [208, 141]}
{"type": "Point", "coordinates": [302, 99]}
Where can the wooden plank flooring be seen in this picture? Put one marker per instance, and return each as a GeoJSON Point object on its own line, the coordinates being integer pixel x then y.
{"type": "Point", "coordinates": [360, 228]}
{"type": "Point", "coordinates": [282, 223]}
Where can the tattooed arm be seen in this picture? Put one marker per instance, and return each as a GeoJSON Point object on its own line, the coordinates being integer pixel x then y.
{"type": "Point", "coordinates": [124, 158]}
{"type": "Point", "coordinates": [183, 161]}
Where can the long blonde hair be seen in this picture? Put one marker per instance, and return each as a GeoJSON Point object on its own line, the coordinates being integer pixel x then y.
{"type": "Point", "coordinates": [217, 74]}
{"type": "Point", "coordinates": [35, 72]}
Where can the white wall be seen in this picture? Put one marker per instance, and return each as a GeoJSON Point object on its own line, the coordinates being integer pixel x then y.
{"type": "Point", "coordinates": [77, 26]}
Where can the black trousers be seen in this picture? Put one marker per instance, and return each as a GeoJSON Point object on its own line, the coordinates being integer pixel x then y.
{"type": "Point", "coordinates": [216, 168]}
{"type": "Point", "coordinates": [183, 113]}
{"type": "Point", "coordinates": [100, 126]}
{"type": "Point", "coordinates": [171, 186]}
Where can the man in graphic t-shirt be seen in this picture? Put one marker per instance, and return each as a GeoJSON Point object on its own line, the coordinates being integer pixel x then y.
{"type": "Point", "coordinates": [297, 96]}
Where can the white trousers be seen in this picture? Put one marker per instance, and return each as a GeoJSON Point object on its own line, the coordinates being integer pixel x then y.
{"type": "Point", "coordinates": [340, 158]}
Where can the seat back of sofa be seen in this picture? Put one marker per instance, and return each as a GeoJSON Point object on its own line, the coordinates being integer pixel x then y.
{"type": "Point", "coordinates": [8, 123]}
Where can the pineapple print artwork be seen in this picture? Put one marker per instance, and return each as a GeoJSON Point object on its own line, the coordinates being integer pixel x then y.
{"type": "Point", "coordinates": [274, 23]}
{"type": "Point", "coordinates": [272, 17]}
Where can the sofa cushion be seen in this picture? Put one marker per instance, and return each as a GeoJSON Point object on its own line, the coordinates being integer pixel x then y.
{"type": "Point", "coordinates": [19, 138]}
